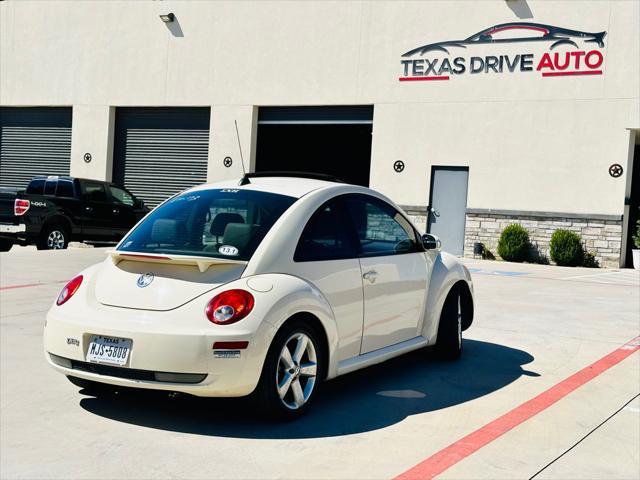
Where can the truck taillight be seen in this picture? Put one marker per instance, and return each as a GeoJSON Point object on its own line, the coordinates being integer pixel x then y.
{"type": "Point", "coordinates": [20, 206]}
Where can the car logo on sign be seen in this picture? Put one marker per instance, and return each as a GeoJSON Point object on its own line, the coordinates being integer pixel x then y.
{"type": "Point", "coordinates": [145, 279]}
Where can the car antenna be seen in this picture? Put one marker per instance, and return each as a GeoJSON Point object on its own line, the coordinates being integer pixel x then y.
{"type": "Point", "coordinates": [244, 180]}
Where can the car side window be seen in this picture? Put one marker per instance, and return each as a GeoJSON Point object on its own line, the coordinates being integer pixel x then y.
{"type": "Point", "coordinates": [325, 237]}
{"type": "Point", "coordinates": [380, 228]}
{"type": "Point", "coordinates": [121, 196]}
{"type": "Point", "coordinates": [95, 192]}
{"type": "Point", "coordinates": [65, 189]}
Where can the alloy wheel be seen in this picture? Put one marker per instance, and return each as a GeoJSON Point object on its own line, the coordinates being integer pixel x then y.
{"type": "Point", "coordinates": [55, 240]}
{"type": "Point", "coordinates": [297, 370]}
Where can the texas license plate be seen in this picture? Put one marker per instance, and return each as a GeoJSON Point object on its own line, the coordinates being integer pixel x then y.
{"type": "Point", "coordinates": [114, 351]}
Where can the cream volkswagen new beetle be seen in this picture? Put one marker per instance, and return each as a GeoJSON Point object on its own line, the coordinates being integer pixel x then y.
{"type": "Point", "coordinates": [266, 286]}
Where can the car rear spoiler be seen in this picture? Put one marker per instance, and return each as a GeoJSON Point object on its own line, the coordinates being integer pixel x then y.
{"type": "Point", "coordinates": [203, 263]}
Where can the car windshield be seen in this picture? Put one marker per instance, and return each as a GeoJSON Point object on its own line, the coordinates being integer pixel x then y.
{"type": "Point", "coordinates": [221, 223]}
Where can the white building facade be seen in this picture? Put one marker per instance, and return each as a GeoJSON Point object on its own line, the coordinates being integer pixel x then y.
{"type": "Point", "coordinates": [470, 114]}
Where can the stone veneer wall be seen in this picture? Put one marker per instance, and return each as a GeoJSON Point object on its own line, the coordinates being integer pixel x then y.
{"type": "Point", "coordinates": [601, 235]}
{"type": "Point", "coordinates": [418, 215]}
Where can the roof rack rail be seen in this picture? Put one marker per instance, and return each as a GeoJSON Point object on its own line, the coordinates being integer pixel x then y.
{"type": "Point", "coordinates": [315, 176]}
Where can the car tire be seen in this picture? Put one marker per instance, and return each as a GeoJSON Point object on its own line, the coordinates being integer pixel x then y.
{"type": "Point", "coordinates": [53, 237]}
{"type": "Point", "coordinates": [5, 245]}
{"type": "Point", "coordinates": [449, 341]}
{"type": "Point", "coordinates": [290, 380]}
{"type": "Point", "coordinates": [94, 389]}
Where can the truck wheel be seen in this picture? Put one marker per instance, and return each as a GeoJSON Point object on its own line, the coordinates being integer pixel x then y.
{"type": "Point", "coordinates": [53, 237]}
{"type": "Point", "coordinates": [5, 245]}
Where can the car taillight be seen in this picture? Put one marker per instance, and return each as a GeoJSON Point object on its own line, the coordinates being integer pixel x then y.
{"type": "Point", "coordinates": [229, 307]}
{"type": "Point", "coordinates": [69, 290]}
{"type": "Point", "coordinates": [20, 206]}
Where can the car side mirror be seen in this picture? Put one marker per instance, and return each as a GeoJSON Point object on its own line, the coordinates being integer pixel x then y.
{"type": "Point", "coordinates": [431, 242]}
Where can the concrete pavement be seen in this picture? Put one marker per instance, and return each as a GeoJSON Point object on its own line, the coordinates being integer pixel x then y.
{"type": "Point", "coordinates": [534, 327]}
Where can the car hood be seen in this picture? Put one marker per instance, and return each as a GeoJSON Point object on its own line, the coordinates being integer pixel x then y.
{"type": "Point", "coordinates": [163, 285]}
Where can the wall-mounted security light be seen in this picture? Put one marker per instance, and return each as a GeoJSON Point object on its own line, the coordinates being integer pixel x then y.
{"type": "Point", "coordinates": [168, 17]}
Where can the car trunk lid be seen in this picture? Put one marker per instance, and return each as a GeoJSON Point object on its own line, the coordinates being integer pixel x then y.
{"type": "Point", "coordinates": [161, 282]}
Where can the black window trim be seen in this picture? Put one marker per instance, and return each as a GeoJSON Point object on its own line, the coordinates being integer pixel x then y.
{"type": "Point", "coordinates": [350, 234]}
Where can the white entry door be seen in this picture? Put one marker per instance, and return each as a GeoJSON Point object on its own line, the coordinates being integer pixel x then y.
{"type": "Point", "coordinates": [449, 207]}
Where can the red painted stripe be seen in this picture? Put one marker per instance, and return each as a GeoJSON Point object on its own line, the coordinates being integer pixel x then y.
{"type": "Point", "coordinates": [564, 74]}
{"type": "Point", "coordinates": [421, 79]}
{"type": "Point", "coordinates": [457, 451]}
{"type": "Point", "coordinates": [10, 287]}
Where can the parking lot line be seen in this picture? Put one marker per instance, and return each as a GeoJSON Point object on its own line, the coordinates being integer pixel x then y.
{"type": "Point", "coordinates": [629, 278]}
{"type": "Point", "coordinates": [504, 273]}
{"type": "Point", "coordinates": [11, 287]}
{"type": "Point", "coordinates": [459, 450]}
{"type": "Point", "coordinates": [601, 274]}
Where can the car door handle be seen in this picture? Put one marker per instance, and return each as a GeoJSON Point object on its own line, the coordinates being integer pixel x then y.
{"type": "Point", "coordinates": [370, 275]}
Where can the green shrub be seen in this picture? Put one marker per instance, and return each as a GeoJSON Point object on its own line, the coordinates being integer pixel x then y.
{"type": "Point", "coordinates": [513, 245]}
{"type": "Point", "coordinates": [566, 248]}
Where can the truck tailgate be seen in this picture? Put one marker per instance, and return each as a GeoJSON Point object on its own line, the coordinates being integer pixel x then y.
{"type": "Point", "coordinates": [7, 198]}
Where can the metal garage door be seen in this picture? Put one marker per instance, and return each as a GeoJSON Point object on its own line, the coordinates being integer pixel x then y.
{"type": "Point", "coordinates": [160, 151]}
{"type": "Point", "coordinates": [33, 141]}
{"type": "Point", "coordinates": [334, 140]}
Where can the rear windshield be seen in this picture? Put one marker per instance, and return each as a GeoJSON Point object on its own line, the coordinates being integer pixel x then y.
{"type": "Point", "coordinates": [224, 223]}
{"type": "Point", "coordinates": [36, 186]}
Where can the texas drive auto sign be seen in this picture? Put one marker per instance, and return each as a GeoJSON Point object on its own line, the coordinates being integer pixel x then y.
{"type": "Point", "coordinates": [584, 58]}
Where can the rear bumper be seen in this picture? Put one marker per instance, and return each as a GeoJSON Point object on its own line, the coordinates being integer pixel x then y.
{"type": "Point", "coordinates": [182, 361]}
{"type": "Point", "coordinates": [16, 234]}
{"type": "Point", "coordinates": [12, 229]}
{"type": "Point", "coordinates": [128, 373]}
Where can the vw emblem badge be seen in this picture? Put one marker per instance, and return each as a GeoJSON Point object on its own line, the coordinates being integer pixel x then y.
{"type": "Point", "coordinates": [145, 279]}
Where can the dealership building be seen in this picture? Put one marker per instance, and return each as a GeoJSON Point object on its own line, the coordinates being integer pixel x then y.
{"type": "Point", "coordinates": [471, 115]}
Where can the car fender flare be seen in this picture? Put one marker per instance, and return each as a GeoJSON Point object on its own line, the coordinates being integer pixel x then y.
{"type": "Point", "coordinates": [291, 296]}
{"type": "Point", "coordinates": [57, 219]}
{"type": "Point", "coordinates": [447, 271]}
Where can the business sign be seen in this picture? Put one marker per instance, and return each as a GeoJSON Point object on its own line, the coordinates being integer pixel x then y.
{"type": "Point", "coordinates": [585, 56]}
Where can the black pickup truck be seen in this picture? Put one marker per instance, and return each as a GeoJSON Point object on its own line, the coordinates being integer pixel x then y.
{"type": "Point", "coordinates": [55, 210]}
